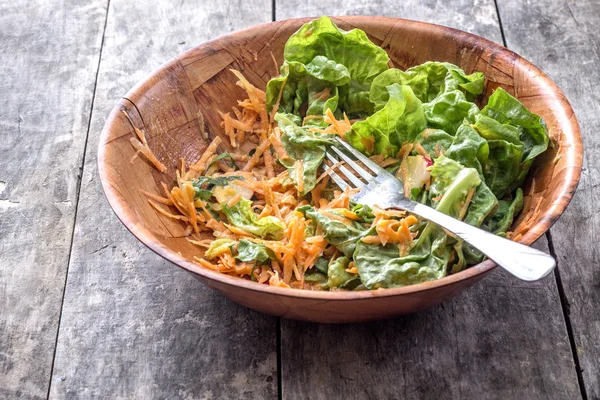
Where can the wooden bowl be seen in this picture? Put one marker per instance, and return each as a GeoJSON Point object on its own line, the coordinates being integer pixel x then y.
{"type": "Point", "coordinates": [168, 103]}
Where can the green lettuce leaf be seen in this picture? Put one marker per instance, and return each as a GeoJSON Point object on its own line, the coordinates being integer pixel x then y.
{"type": "Point", "coordinates": [325, 62]}
{"type": "Point", "coordinates": [203, 185]}
{"type": "Point", "coordinates": [241, 216]}
{"type": "Point", "coordinates": [506, 109]}
{"type": "Point", "coordinates": [218, 247]}
{"type": "Point", "coordinates": [248, 251]}
{"type": "Point", "coordinates": [468, 148]}
{"type": "Point", "coordinates": [322, 265]}
{"type": "Point", "coordinates": [302, 144]}
{"type": "Point", "coordinates": [354, 100]}
{"type": "Point", "coordinates": [428, 81]}
{"type": "Point", "coordinates": [434, 251]}
{"type": "Point", "coordinates": [364, 212]}
{"type": "Point", "coordinates": [434, 140]}
{"type": "Point", "coordinates": [321, 37]}
{"type": "Point", "coordinates": [448, 111]}
{"type": "Point", "coordinates": [338, 277]}
{"type": "Point", "coordinates": [472, 151]}
{"type": "Point", "coordinates": [315, 277]}
{"type": "Point", "coordinates": [342, 236]}
{"type": "Point", "coordinates": [507, 210]}
{"type": "Point", "coordinates": [503, 169]}
{"type": "Point", "coordinates": [451, 182]}
{"type": "Point", "coordinates": [399, 121]}
{"type": "Point", "coordinates": [322, 95]}
{"type": "Point", "coordinates": [305, 84]}
{"type": "Point", "coordinates": [380, 267]}
{"type": "Point", "coordinates": [483, 204]}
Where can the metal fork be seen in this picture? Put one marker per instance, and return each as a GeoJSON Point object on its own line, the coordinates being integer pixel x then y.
{"type": "Point", "coordinates": [383, 189]}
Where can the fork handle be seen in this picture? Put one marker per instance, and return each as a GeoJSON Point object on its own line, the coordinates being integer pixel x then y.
{"type": "Point", "coordinates": [522, 261]}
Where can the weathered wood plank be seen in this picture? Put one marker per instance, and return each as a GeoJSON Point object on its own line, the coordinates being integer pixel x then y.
{"type": "Point", "coordinates": [48, 63]}
{"type": "Point", "coordinates": [473, 16]}
{"type": "Point", "coordinates": [501, 339]}
{"type": "Point", "coordinates": [133, 325]}
{"type": "Point", "coordinates": [562, 38]}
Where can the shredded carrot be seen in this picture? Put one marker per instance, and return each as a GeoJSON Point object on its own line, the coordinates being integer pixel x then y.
{"type": "Point", "coordinates": [372, 239]}
{"type": "Point", "coordinates": [275, 281]}
{"type": "Point", "coordinates": [316, 192]}
{"type": "Point", "coordinates": [338, 127]}
{"type": "Point", "coordinates": [166, 213]}
{"type": "Point", "coordinates": [299, 165]}
{"type": "Point", "coordinates": [205, 263]}
{"type": "Point", "coordinates": [465, 206]}
{"type": "Point", "coordinates": [229, 129]}
{"type": "Point", "coordinates": [336, 217]}
{"type": "Point", "coordinates": [275, 140]}
{"type": "Point", "coordinates": [145, 150]}
{"type": "Point", "coordinates": [199, 166]}
{"type": "Point", "coordinates": [156, 198]}
{"type": "Point", "coordinates": [256, 156]}
{"type": "Point", "coordinates": [268, 157]}
{"type": "Point", "coordinates": [234, 200]}
{"type": "Point", "coordinates": [421, 150]}
{"type": "Point", "coordinates": [201, 243]}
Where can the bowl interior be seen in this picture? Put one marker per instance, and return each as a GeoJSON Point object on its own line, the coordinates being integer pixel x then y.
{"type": "Point", "coordinates": [171, 104]}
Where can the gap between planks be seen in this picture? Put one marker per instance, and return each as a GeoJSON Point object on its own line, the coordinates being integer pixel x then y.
{"type": "Point", "coordinates": [564, 302]}
{"type": "Point", "coordinates": [79, 180]}
{"type": "Point", "coordinates": [561, 293]}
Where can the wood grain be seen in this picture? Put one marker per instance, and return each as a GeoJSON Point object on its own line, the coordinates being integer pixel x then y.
{"type": "Point", "coordinates": [500, 339]}
{"type": "Point", "coordinates": [48, 63]}
{"type": "Point", "coordinates": [133, 326]}
{"type": "Point", "coordinates": [478, 17]}
{"type": "Point", "coordinates": [564, 40]}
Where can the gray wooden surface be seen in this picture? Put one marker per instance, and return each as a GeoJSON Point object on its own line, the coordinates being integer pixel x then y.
{"type": "Point", "coordinates": [565, 41]}
{"type": "Point", "coordinates": [48, 65]}
{"type": "Point", "coordinates": [133, 326]}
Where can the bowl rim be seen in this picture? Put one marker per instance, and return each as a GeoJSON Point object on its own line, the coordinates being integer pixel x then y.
{"type": "Point", "coordinates": [120, 206]}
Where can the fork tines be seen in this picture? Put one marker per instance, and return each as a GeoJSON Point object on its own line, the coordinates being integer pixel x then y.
{"type": "Point", "coordinates": [334, 154]}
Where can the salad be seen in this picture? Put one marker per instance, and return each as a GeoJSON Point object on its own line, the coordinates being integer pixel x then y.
{"type": "Point", "coordinates": [260, 206]}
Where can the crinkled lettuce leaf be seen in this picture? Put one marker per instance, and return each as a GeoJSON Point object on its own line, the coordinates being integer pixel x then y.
{"type": "Point", "coordinates": [342, 236]}
{"type": "Point", "coordinates": [434, 141]}
{"type": "Point", "coordinates": [507, 210]}
{"type": "Point", "coordinates": [472, 151]}
{"type": "Point", "coordinates": [428, 81]}
{"type": "Point", "coordinates": [468, 148]}
{"type": "Point", "coordinates": [448, 111]}
{"type": "Point", "coordinates": [353, 49]}
{"type": "Point", "coordinates": [354, 100]}
{"type": "Point", "coordinates": [241, 216]}
{"type": "Point", "coordinates": [248, 251]}
{"type": "Point", "coordinates": [338, 277]}
{"type": "Point", "coordinates": [302, 145]}
{"type": "Point", "coordinates": [451, 183]}
{"type": "Point", "coordinates": [314, 86]}
{"type": "Point", "coordinates": [527, 126]}
{"type": "Point", "coordinates": [218, 247]}
{"type": "Point", "coordinates": [434, 251]}
{"type": "Point", "coordinates": [323, 61]}
{"type": "Point", "coordinates": [204, 185]}
{"type": "Point", "coordinates": [399, 121]}
{"type": "Point", "coordinates": [381, 267]}
{"type": "Point", "coordinates": [363, 211]}
{"type": "Point", "coordinates": [483, 204]}
{"type": "Point", "coordinates": [506, 109]}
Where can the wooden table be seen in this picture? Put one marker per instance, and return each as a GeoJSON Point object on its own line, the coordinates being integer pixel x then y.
{"type": "Point", "coordinates": [86, 311]}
